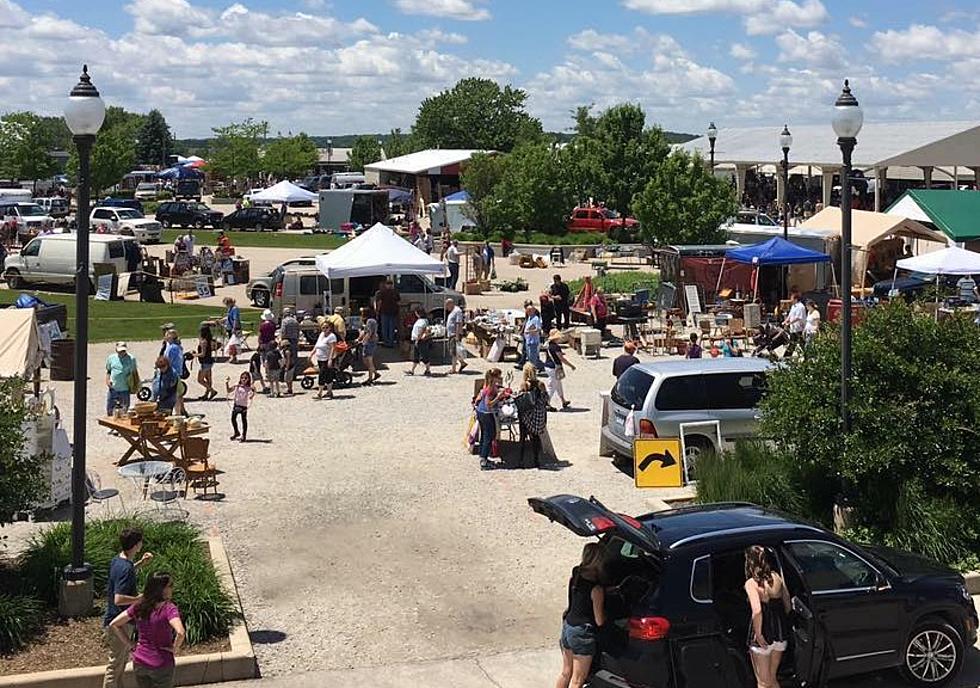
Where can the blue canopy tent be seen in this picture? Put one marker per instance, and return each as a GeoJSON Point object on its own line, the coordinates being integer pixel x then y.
{"type": "Point", "coordinates": [180, 172]}
{"type": "Point", "coordinates": [775, 251]}
{"type": "Point", "coordinates": [461, 195]}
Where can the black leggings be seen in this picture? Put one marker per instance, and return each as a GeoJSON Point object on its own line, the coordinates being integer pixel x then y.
{"type": "Point", "coordinates": [235, 413]}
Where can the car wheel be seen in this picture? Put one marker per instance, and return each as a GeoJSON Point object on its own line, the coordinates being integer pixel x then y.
{"type": "Point", "coordinates": [198, 224]}
{"type": "Point", "coordinates": [167, 224]}
{"type": "Point", "coordinates": [260, 297]}
{"type": "Point", "coordinates": [695, 447]}
{"type": "Point", "coordinates": [258, 227]}
{"type": "Point", "coordinates": [933, 654]}
{"type": "Point", "coordinates": [14, 280]}
{"type": "Point", "coordinates": [307, 382]}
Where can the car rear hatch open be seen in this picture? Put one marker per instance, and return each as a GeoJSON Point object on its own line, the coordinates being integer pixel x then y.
{"type": "Point", "coordinates": [588, 517]}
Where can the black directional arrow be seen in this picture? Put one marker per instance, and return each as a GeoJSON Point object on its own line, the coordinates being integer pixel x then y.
{"type": "Point", "coordinates": [665, 460]}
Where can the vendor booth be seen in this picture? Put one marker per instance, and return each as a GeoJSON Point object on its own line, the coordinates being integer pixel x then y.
{"type": "Point", "coordinates": [767, 260]}
{"type": "Point", "coordinates": [21, 354]}
{"type": "Point", "coordinates": [284, 192]}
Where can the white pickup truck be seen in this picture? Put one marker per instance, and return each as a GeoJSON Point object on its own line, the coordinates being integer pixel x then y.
{"type": "Point", "coordinates": [126, 221]}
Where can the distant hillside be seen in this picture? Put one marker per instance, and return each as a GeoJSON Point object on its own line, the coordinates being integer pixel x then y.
{"type": "Point", "coordinates": [188, 146]}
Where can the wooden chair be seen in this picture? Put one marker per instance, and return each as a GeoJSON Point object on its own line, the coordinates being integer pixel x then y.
{"type": "Point", "coordinates": [200, 473]}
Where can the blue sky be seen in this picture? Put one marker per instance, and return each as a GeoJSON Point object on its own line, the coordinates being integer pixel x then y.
{"type": "Point", "coordinates": [340, 66]}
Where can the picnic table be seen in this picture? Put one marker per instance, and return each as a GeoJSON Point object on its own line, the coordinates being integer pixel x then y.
{"type": "Point", "coordinates": [149, 445]}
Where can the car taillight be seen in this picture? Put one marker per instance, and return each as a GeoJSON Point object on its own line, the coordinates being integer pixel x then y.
{"type": "Point", "coordinates": [278, 289]}
{"type": "Point", "coordinates": [648, 627]}
{"type": "Point", "coordinates": [646, 427]}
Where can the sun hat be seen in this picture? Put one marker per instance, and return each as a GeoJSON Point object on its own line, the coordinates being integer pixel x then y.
{"type": "Point", "coordinates": [267, 315]}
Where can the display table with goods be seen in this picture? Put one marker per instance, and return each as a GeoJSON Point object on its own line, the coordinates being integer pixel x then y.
{"type": "Point", "coordinates": [498, 332]}
{"type": "Point", "coordinates": [151, 434]}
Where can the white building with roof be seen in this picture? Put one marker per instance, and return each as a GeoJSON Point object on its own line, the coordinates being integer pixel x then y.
{"type": "Point", "coordinates": [432, 173]}
{"type": "Point", "coordinates": [885, 150]}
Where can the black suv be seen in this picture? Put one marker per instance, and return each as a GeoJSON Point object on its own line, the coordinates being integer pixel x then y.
{"type": "Point", "coordinates": [678, 615]}
{"type": "Point", "coordinates": [188, 214]}
{"type": "Point", "coordinates": [256, 217]}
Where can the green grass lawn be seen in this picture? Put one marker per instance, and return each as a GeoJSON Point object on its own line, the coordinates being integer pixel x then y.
{"type": "Point", "coordinates": [131, 321]}
{"type": "Point", "coordinates": [208, 237]}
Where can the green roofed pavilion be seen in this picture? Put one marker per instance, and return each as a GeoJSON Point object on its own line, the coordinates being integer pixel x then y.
{"type": "Point", "coordinates": [955, 213]}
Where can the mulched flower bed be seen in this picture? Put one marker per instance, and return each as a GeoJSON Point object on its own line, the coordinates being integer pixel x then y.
{"type": "Point", "coordinates": [75, 643]}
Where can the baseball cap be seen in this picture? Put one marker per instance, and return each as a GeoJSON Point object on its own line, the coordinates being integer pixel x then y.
{"type": "Point", "coordinates": [121, 346]}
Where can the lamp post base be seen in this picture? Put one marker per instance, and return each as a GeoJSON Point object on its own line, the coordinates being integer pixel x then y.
{"type": "Point", "coordinates": [76, 592]}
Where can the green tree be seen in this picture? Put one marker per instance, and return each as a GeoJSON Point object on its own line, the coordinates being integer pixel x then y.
{"type": "Point", "coordinates": [911, 463]}
{"type": "Point", "coordinates": [290, 157]}
{"type": "Point", "coordinates": [397, 144]}
{"type": "Point", "coordinates": [25, 145]}
{"type": "Point", "coordinates": [156, 143]}
{"type": "Point", "coordinates": [476, 114]}
{"type": "Point", "coordinates": [20, 475]}
{"type": "Point", "coordinates": [114, 153]}
{"type": "Point", "coordinates": [364, 151]}
{"type": "Point", "coordinates": [480, 176]}
{"type": "Point", "coordinates": [684, 203]}
{"type": "Point", "coordinates": [234, 152]}
{"type": "Point", "coordinates": [531, 194]}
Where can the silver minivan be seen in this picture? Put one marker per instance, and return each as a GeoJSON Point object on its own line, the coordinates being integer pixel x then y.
{"type": "Point", "coordinates": [663, 395]}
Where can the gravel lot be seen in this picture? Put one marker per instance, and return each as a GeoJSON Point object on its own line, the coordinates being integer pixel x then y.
{"type": "Point", "coordinates": [360, 528]}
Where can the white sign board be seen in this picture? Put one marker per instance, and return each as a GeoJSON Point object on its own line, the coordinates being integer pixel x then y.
{"type": "Point", "coordinates": [104, 290]}
{"type": "Point", "coordinates": [693, 299]}
{"type": "Point", "coordinates": [203, 288]}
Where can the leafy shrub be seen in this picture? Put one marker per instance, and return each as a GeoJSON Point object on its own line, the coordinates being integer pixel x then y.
{"type": "Point", "coordinates": [207, 609]}
{"type": "Point", "coordinates": [20, 475]}
{"type": "Point", "coordinates": [150, 208]}
{"type": "Point", "coordinates": [621, 282]}
{"type": "Point", "coordinates": [21, 618]}
{"type": "Point", "coordinates": [164, 195]}
{"type": "Point", "coordinates": [910, 466]}
{"type": "Point", "coordinates": [752, 472]}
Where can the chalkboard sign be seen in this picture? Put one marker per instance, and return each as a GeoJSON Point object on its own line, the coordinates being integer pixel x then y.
{"type": "Point", "coordinates": [666, 296]}
{"type": "Point", "coordinates": [104, 290]}
{"type": "Point", "coordinates": [693, 299]}
{"type": "Point", "coordinates": [203, 288]}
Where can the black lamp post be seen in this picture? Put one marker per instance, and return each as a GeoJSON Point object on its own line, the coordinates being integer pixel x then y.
{"type": "Point", "coordinates": [84, 115]}
{"type": "Point", "coordinates": [785, 141]}
{"type": "Point", "coordinates": [712, 135]}
{"type": "Point", "coordinates": [847, 122]}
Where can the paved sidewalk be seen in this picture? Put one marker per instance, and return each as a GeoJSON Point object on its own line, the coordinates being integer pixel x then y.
{"type": "Point", "coordinates": [523, 669]}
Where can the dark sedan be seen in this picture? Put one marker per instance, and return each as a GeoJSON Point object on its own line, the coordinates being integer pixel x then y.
{"type": "Point", "coordinates": [188, 214]}
{"type": "Point", "coordinates": [257, 217]}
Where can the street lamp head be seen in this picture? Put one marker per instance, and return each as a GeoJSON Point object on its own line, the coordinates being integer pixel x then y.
{"type": "Point", "coordinates": [85, 110]}
{"type": "Point", "coordinates": [712, 131]}
{"type": "Point", "coordinates": [785, 139]}
{"type": "Point", "coordinates": [848, 116]}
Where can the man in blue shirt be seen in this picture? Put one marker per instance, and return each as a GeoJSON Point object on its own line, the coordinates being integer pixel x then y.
{"type": "Point", "coordinates": [532, 337]}
{"type": "Point", "coordinates": [119, 367]}
{"type": "Point", "coordinates": [121, 592]}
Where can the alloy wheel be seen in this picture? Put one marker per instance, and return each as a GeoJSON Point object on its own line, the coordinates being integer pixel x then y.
{"type": "Point", "coordinates": [930, 655]}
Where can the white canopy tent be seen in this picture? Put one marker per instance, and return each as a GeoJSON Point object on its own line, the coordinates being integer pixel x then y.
{"type": "Point", "coordinates": [284, 192]}
{"type": "Point", "coordinates": [20, 343]}
{"type": "Point", "coordinates": [378, 251]}
{"type": "Point", "coordinates": [949, 261]}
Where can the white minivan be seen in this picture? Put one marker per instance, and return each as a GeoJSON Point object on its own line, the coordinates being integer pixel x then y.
{"type": "Point", "coordinates": [50, 259]}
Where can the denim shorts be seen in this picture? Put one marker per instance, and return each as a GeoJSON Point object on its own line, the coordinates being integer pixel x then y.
{"type": "Point", "coordinates": [369, 348]}
{"type": "Point", "coordinates": [581, 640]}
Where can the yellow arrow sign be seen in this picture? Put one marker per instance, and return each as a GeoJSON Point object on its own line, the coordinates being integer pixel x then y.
{"type": "Point", "coordinates": [658, 462]}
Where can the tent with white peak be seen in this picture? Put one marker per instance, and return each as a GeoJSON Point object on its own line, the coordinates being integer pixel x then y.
{"type": "Point", "coordinates": [949, 261]}
{"type": "Point", "coordinates": [378, 251]}
{"type": "Point", "coordinates": [284, 192]}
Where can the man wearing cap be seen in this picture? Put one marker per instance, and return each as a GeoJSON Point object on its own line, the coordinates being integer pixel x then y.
{"type": "Point", "coordinates": [339, 324]}
{"type": "Point", "coordinates": [120, 369]}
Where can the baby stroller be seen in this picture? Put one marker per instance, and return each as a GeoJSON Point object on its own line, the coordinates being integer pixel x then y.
{"type": "Point", "coordinates": [347, 354]}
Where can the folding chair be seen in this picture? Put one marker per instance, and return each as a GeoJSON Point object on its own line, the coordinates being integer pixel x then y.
{"type": "Point", "coordinates": [100, 495]}
{"type": "Point", "coordinates": [166, 493]}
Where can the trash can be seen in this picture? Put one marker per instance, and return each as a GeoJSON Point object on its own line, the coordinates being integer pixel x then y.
{"type": "Point", "coordinates": [63, 359]}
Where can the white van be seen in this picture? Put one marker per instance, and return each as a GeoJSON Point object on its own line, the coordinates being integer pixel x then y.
{"type": "Point", "coordinates": [51, 259]}
{"type": "Point", "coordinates": [304, 288]}
{"type": "Point", "coordinates": [15, 195]}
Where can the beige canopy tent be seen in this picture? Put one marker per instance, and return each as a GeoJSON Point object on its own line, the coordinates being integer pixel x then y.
{"type": "Point", "coordinates": [20, 343]}
{"type": "Point", "coordinates": [869, 230]}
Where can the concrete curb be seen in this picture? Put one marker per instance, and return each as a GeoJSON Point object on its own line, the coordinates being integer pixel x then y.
{"type": "Point", "coordinates": [234, 665]}
{"type": "Point", "coordinates": [972, 582]}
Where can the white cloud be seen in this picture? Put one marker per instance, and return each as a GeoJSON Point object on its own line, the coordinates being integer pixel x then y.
{"type": "Point", "coordinates": [761, 16]}
{"type": "Point", "coordinates": [919, 42]}
{"type": "Point", "coordinates": [168, 17]}
{"type": "Point", "coordinates": [814, 49]}
{"type": "Point", "coordinates": [314, 4]}
{"type": "Point", "coordinates": [640, 40]}
{"type": "Point", "coordinates": [462, 10]}
{"type": "Point", "coordinates": [742, 51]}
{"type": "Point", "coordinates": [857, 22]}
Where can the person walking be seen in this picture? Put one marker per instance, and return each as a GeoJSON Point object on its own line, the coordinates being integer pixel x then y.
{"type": "Point", "coordinates": [693, 349]}
{"type": "Point", "coordinates": [121, 592]}
{"type": "Point", "coordinates": [795, 322]}
{"type": "Point", "coordinates": [174, 352]}
{"type": "Point", "coordinates": [455, 330]}
{"type": "Point", "coordinates": [625, 360]}
{"type": "Point", "coordinates": [812, 326]}
{"type": "Point", "coordinates": [386, 305]}
{"type": "Point", "coordinates": [322, 357]}
{"type": "Point", "coordinates": [205, 363]}
{"type": "Point", "coordinates": [561, 298]}
{"type": "Point", "coordinates": [452, 262]}
{"type": "Point", "coordinates": [769, 603]}
{"type": "Point", "coordinates": [532, 337]}
{"type": "Point", "coordinates": [165, 383]}
{"type": "Point", "coordinates": [600, 311]}
{"type": "Point", "coordinates": [547, 311]}
{"type": "Point", "coordinates": [273, 368]}
{"type": "Point", "coordinates": [120, 373]}
{"type": "Point", "coordinates": [532, 414]}
{"type": "Point", "coordinates": [243, 393]}
{"type": "Point", "coordinates": [368, 339]}
{"type": "Point", "coordinates": [289, 333]}
{"type": "Point", "coordinates": [288, 365]}
{"type": "Point", "coordinates": [159, 629]}
{"type": "Point", "coordinates": [489, 260]}
{"type": "Point", "coordinates": [233, 324]}
{"type": "Point", "coordinates": [582, 619]}
{"type": "Point", "coordinates": [485, 404]}
{"type": "Point", "coordinates": [421, 343]}
{"type": "Point", "coordinates": [555, 362]}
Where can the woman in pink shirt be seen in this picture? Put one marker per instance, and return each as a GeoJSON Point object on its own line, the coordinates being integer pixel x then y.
{"type": "Point", "coordinates": [159, 629]}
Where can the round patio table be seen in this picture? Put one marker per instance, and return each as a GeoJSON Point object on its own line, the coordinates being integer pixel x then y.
{"type": "Point", "coordinates": [141, 473]}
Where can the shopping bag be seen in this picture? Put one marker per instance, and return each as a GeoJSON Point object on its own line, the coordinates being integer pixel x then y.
{"type": "Point", "coordinates": [472, 432]}
{"type": "Point", "coordinates": [629, 425]}
{"type": "Point", "coordinates": [496, 350]}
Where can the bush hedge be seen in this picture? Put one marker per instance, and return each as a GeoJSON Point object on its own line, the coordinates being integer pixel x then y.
{"type": "Point", "coordinates": [576, 239]}
{"type": "Point", "coordinates": [207, 609]}
{"type": "Point", "coordinates": [621, 282]}
{"type": "Point", "coordinates": [21, 618]}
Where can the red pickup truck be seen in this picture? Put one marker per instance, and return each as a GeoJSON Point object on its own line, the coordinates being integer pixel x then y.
{"type": "Point", "coordinates": [598, 220]}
